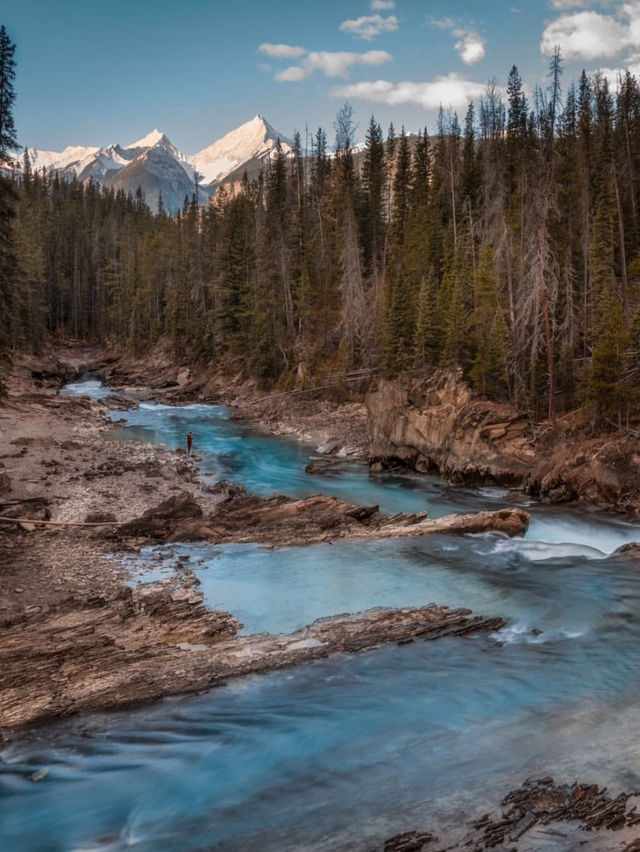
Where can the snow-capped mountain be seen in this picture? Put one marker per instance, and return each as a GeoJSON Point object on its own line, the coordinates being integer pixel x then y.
{"type": "Point", "coordinates": [155, 165]}
{"type": "Point", "coordinates": [252, 141]}
{"type": "Point", "coordinates": [74, 157]}
{"type": "Point", "coordinates": [157, 170]}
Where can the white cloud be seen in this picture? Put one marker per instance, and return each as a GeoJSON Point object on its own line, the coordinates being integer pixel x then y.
{"type": "Point", "coordinates": [369, 27]}
{"type": "Point", "coordinates": [590, 35]}
{"type": "Point", "coordinates": [442, 23]}
{"type": "Point", "coordinates": [332, 64]}
{"type": "Point", "coordinates": [282, 51]}
{"type": "Point", "coordinates": [293, 74]}
{"type": "Point", "coordinates": [632, 12]}
{"type": "Point", "coordinates": [569, 4]}
{"type": "Point", "coordinates": [470, 44]}
{"type": "Point", "coordinates": [471, 47]}
{"type": "Point", "coordinates": [584, 35]}
{"type": "Point", "coordinates": [382, 5]}
{"type": "Point", "coordinates": [451, 90]}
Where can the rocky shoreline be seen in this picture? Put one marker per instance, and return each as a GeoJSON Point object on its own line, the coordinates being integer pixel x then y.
{"type": "Point", "coordinates": [578, 815]}
{"type": "Point", "coordinates": [240, 518]}
{"type": "Point", "coordinates": [75, 637]}
{"type": "Point", "coordinates": [431, 424]}
{"type": "Point", "coordinates": [141, 646]}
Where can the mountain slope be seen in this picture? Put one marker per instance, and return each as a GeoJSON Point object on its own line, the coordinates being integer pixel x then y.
{"type": "Point", "coordinates": [158, 171]}
{"type": "Point", "coordinates": [155, 165]}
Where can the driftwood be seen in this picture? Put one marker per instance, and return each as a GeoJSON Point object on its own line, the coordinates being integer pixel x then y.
{"type": "Point", "coordinates": [534, 806]}
{"type": "Point", "coordinates": [34, 521]}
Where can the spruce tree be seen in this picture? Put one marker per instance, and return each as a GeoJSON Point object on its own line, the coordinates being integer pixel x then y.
{"type": "Point", "coordinates": [8, 136]}
{"type": "Point", "coordinates": [8, 199]}
{"type": "Point", "coordinates": [489, 368]}
{"type": "Point", "coordinates": [373, 181]}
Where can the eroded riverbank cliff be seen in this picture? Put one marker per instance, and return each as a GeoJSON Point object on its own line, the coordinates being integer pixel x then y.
{"type": "Point", "coordinates": [437, 425]}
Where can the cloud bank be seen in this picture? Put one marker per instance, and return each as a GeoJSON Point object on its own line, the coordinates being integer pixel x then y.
{"type": "Point", "coordinates": [332, 64]}
{"type": "Point", "coordinates": [446, 90]}
{"type": "Point", "coordinates": [369, 27]}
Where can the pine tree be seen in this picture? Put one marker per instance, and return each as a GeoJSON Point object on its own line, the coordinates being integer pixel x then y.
{"type": "Point", "coordinates": [8, 136]}
{"type": "Point", "coordinates": [373, 182]}
{"type": "Point", "coordinates": [8, 200]}
{"type": "Point", "coordinates": [489, 368]}
{"type": "Point", "coordinates": [427, 341]}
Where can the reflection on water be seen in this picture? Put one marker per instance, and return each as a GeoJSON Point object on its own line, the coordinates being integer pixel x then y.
{"type": "Point", "coordinates": [346, 752]}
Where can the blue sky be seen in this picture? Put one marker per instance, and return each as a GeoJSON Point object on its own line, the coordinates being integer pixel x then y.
{"type": "Point", "coordinates": [93, 73]}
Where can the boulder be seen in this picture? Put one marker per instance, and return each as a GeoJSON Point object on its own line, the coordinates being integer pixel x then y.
{"type": "Point", "coordinates": [162, 520]}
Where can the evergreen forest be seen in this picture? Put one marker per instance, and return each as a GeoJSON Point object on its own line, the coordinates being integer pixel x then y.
{"type": "Point", "coordinates": [505, 244]}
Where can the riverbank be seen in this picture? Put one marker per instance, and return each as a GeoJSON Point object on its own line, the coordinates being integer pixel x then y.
{"type": "Point", "coordinates": [333, 418]}
{"type": "Point", "coordinates": [436, 424]}
{"type": "Point", "coordinates": [430, 424]}
{"type": "Point", "coordinates": [75, 637]}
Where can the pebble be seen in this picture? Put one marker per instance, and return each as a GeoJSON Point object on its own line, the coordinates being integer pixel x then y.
{"type": "Point", "coordinates": [39, 775]}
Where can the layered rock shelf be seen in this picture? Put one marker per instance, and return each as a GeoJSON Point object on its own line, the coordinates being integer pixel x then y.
{"type": "Point", "coordinates": [280, 520]}
{"type": "Point", "coordinates": [139, 646]}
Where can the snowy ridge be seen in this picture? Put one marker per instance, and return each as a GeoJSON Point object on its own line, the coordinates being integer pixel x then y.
{"type": "Point", "coordinates": [157, 166]}
{"type": "Point", "coordinates": [149, 140]}
{"type": "Point", "coordinates": [255, 139]}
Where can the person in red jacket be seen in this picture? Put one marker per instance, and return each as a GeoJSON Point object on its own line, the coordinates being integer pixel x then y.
{"type": "Point", "coordinates": [189, 443]}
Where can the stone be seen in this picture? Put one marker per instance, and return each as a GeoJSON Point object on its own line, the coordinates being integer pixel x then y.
{"type": "Point", "coordinates": [39, 775]}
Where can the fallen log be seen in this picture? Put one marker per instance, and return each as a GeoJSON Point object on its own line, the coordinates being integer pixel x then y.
{"type": "Point", "coordinates": [35, 522]}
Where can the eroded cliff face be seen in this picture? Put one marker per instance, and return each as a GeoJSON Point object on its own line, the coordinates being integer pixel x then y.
{"type": "Point", "coordinates": [436, 425]}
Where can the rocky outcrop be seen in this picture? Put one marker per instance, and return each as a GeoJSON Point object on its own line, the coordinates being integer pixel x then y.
{"type": "Point", "coordinates": [161, 522]}
{"type": "Point", "coordinates": [242, 517]}
{"type": "Point", "coordinates": [143, 645]}
{"type": "Point", "coordinates": [436, 425]}
{"type": "Point", "coordinates": [531, 806]}
{"type": "Point", "coordinates": [98, 652]}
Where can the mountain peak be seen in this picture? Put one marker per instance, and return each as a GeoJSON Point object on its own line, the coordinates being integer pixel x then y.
{"type": "Point", "coordinates": [253, 140]}
{"type": "Point", "coordinates": [154, 138]}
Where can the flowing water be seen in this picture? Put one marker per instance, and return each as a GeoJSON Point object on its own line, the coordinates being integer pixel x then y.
{"type": "Point", "coordinates": [346, 752]}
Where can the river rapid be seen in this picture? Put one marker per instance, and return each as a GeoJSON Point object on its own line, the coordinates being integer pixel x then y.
{"type": "Point", "coordinates": [346, 752]}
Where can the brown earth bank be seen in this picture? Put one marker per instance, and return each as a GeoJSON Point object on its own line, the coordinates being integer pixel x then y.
{"type": "Point", "coordinates": [436, 424]}
{"type": "Point", "coordinates": [333, 417]}
{"type": "Point", "coordinates": [576, 816]}
{"type": "Point", "coordinates": [74, 637]}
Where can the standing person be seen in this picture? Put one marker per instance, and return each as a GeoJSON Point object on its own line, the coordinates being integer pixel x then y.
{"type": "Point", "coordinates": [189, 443]}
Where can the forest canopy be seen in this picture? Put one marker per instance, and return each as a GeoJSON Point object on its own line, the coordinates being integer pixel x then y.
{"type": "Point", "coordinates": [506, 245]}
